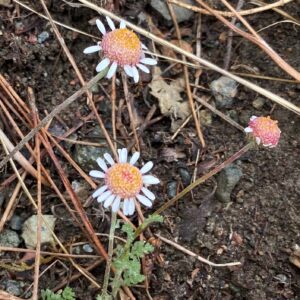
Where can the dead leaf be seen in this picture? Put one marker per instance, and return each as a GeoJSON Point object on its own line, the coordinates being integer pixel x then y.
{"type": "Point", "coordinates": [171, 154]}
{"type": "Point", "coordinates": [170, 101]}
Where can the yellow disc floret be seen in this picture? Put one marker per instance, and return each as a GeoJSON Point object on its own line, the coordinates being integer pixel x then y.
{"type": "Point", "coordinates": [124, 180]}
{"type": "Point", "coordinates": [122, 46]}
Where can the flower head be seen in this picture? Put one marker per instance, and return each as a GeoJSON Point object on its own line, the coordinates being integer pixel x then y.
{"type": "Point", "coordinates": [124, 181]}
{"type": "Point", "coordinates": [120, 47]}
{"type": "Point", "coordinates": [265, 130]}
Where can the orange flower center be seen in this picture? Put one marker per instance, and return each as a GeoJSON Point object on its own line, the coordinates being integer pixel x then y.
{"type": "Point", "coordinates": [124, 180]}
{"type": "Point", "coordinates": [122, 46]}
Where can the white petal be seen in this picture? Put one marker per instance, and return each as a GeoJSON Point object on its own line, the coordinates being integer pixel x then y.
{"type": "Point", "coordinates": [136, 75]}
{"type": "Point", "coordinates": [148, 193]}
{"type": "Point", "coordinates": [99, 191]}
{"type": "Point", "coordinates": [128, 70]}
{"type": "Point", "coordinates": [100, 26]}
{"type": "Point", "coordinates": [125, 206]}
{"type": "Point", "coordinates": [134, 158]}
{"type": "Point", "coordinates": [131, 207]}
{"type": "Point", "coordinates": [267, 145]}
{"type": "Point", "coordinates": [248, 129]}
{"type": "Point", "coordinates": [149, 179]}
{"type": "Point", "coordinates": [257, 140]}
{"type": "Point", "coordinates": [112, 70]}
{"type": "Point", "coordinates": [123, 155]}
{"type": "Point", "coordinates": [122, 24]}
{"type": "Point", "coordinates": [253, 118]}
{"type": "Point", "coordinates": [144, 200]}
{"type": "Point", "coordinates": [97, 174]}
{"type": "Point", "coordinates": [109, 201]}
{"type": "Point", "coordinates": [143, 68]}
{"type": "Point", "coordinates": [144, 46]}
{"type": "Point", "coordinates": [147, 167]}
{"type": "Point", "coordinates": [109, 159]}
{"type": "Point", "coordinates": [92, 49]}
{"type": "Point", "coordinates": [101, 163]}
{"type": "Point", "coordinates": [149, 61]}
{"type": "Point", "coordinates": [116, 204]}
{"type": "Point", "coordinates": [104, 196]}
{"type": "Point", "coordinates": [110, 23]}
{"type": "Point", "coordinates": [103, 64]}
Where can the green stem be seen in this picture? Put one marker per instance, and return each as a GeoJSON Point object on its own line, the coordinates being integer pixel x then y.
{"type": "Point", "coordinates": [110, 252]}
{"type": "Point", "coordinates": [206, 176]}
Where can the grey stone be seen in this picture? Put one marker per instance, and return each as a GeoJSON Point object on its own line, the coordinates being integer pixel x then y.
{"type": "Point", "coordinates": [224, 90]}
{"type": "Point", "coordinates": [16, 222]}
{"type": "Point", "coordinates": [258, 103]}
{"type": "Point", "coordinates": [87, 248]}
{"type": "Point", "coordinates": [227, 180]}
{"type": "Point", "coordinates": [185, 176]}
{"type": "Point", "coordinates": [30, 229]}
{"type": "Point", "coordinates": [13, 287]}
{"type": "Point", "coordinates": [86, 156]}
{"type": "Point", "coordinates": [172, 189]}
{"type": "Point", "coordinates": [182, 14]}
{"type": "Point", "coordinates": [43, 36]}
{"type": "Point", "coordinates": [9, 238]}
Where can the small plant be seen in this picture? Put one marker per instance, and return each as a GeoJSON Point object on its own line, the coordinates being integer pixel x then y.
{"type": "Point", "coordinates": [127, 258]}
{"type": "Point", "coordinates": [66, 294]}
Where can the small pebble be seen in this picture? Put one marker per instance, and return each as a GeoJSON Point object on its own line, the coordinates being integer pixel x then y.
{"type": "Point", "coordinates": [9, 238]}
{"type": "Point", "coordinates": [224, 90]}
{"type": "Point", "coordinates": [13, 287]}
{"type": "Point", "coordinates": [87, 248]}
{"type": "Point", "coordinates": [172, 189]}
{"type": "Point", "coordinates": [258, 103]}
{"type": "Point", "coordinates": [43, 36]}
{"type": "Point", "coordinates": [16, 222]}
{"type": "Point", "coordinates": [185, 176]}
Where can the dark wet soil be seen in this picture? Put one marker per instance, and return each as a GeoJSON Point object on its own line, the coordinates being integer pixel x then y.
{"type": "Point", "coordinates": [259, 226]}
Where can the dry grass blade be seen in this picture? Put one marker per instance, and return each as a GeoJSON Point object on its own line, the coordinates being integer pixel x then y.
{"type": "Point", "coordinates": [200, 258]}
{"type": "Point", "coordinates": [45, 221]}
{"type": "Point", "coordinates": [202, 61]}
{"type": "Point", "coordinates": [230, 14]}
{"type": "Point", "coordinates": [187, 81]}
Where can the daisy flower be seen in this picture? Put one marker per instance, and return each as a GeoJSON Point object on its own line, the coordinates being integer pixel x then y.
{"type": "Point", "coordinates": [124, 181]}
{"type": "Point", "coordinates": [120, 47]}
{"type": "Point", "coordinates": [264, 130]}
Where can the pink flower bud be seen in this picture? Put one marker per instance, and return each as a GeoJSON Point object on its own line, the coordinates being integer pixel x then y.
{"type": "Point", "coordinates": [264, 130]}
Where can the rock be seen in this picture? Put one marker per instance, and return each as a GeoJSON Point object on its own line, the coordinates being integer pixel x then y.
{"type": "Point", "coordinates": [13, 287]}
{"type": "Point", "coordinates": [172, 189]}
{"type": "Point", "coordinates": [9, 238]}
{"type": "Point", "coordinates": [87, 248]}
{"type": "Point", "coordinates": [258, 103]}
{"type": "Point", "coordinates": [182, 14]}
{"type": "Point", "coordinates": [16, 222]}
{"type": "Point", "coordinates": [43, 36]}
{"type": "Point", "coordinates": [86, 156]}
{"type": "Point", "coordinates": [185, 176]}
{"type": "Point", "coordinates": [224, 90]}
{"type": "Point", "coordinates": [205, 117]}
{"type": "Point", "coordinates": [227, 180]}
{"type": "Point", "coordinates": [29, 231]}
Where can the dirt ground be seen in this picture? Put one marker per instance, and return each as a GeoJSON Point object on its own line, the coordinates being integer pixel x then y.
{"type": "Point", "coordinates": [259, 226]}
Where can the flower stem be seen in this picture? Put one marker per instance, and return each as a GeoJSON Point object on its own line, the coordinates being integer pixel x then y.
{"type": "Point", "coordinates": [110, 252]}
{"type": "Point", "coordinates": [206, 176]}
